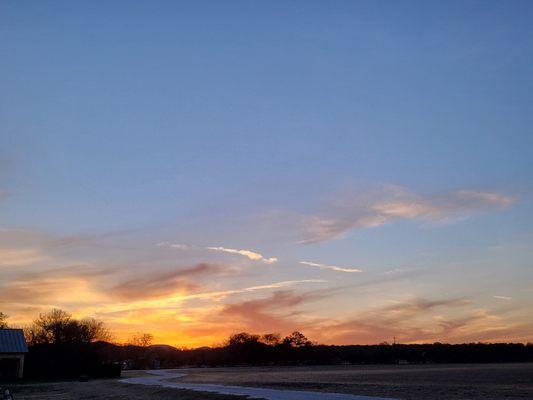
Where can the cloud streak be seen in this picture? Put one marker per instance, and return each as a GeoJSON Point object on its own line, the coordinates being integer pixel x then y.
{"type": "Point", "coordinates": [225, 293]}
{"type": "Point", "coordinates": [246, 253]}
{"type": "Point", "coordinates": [251, 255]}
{"type": "Point", "coordinates": [503, 298]}
{"type": "Point", "coordinates": [178, 246]}
{"type": "Point", "coordinates": [330, 267]}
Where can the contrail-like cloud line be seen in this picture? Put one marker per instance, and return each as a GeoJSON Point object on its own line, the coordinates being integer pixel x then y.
{"type": "Point", "coordinates": [331, 267]}
{"type": "Point", "coordinates": [252, 255]}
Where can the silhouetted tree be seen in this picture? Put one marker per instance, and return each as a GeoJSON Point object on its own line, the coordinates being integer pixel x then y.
{"type": "Point", "coordinates": [62, 346]}
{"type": "Point", "coordinates": [3, 322]}
{"type": "Point", "coordinates": [297, 339]}
{"type": "Point", "coordinates": [58, 326]}
{"type": "Point", "coordinates": [246, 348]}
{"type": "Point", "coordinates": [93, 330]}
{"type": "Point", "coordinates": [271, 339]}
{"type": "Point", "coordinates": [141, 340]}
{"type": "Point", "coordinates": [242, 338]}
{"type": "Point", "coordinates": [139, 349]}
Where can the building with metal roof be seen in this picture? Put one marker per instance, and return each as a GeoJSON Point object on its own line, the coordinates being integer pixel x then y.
{"type": "Point", "coordinates": [12, 351]}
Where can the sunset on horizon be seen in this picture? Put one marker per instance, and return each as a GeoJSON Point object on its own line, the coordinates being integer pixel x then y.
{"type": "Point", "coordinates": [357, 171]}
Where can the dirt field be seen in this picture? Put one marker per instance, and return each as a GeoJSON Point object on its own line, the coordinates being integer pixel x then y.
{"type": "Point", "coordinates": [420, 382]}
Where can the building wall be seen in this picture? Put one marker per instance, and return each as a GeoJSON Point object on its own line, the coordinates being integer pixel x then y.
{"type": "Point", "coordinates": [11, 365]}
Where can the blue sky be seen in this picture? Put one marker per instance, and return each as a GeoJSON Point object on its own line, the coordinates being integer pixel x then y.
{"type": "Point", "coordinates": [391, 137]}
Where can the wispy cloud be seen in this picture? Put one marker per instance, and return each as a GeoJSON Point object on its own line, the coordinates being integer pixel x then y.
{"type": "Point", "coordinates": [503, 298]}
{"type": "Point", "coordinates": [35, 292]}
{"type": "Point", "coordinates": [459, 204]}
{"type": "Point", "coordinates": [274, 312]}
{"type": "Point", "coordinates": [21, 257]}
{"type": "Point", "coordinates": [252, 255]}
{"type": "Point", "coordinates": [171, 301]}
{"type": "Point", "coordinates": [163, 284]}
{"type": "Point", "coordinates": [226, 293]}
{"type": "Point", "coordinates": [408, 321]}
{"type": "Point", "coordinates": [389, 203]}
{"type": "Point", "coordinates": [396, 271]}
{"type": "Point", "coordinates": [331, 267]}
{"type": "Point", "coordinates": [178, 246]}
{"type": "Point", "coordinates": [420, 305]}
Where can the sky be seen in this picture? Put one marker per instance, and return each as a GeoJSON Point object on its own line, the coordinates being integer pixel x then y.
{"type": "Point", "coordinates": [356, 170]}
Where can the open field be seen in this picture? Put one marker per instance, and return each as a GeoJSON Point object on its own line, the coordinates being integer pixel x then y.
{"type": "Point", "coordinates": [109, 389]}
{"type": "Point", "coordinates": [420, 382]}
{"type": "Point", "coordinates": [173, 378]}
{"type": "Point", "coordinates": [416, 382]}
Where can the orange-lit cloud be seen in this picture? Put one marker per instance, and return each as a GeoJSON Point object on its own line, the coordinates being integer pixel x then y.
{"type": "Point", "coordinates": [274, 312]}
{"type": "Point", "coordinates": [184, 300]}
{"type": "Point", "coordinates": [20, 257]}
{"type": "Point", "coordinates": [163, 284]}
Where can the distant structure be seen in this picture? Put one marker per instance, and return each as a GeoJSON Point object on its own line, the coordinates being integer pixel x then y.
{"type": "Point", "coordinates": [12, 351]}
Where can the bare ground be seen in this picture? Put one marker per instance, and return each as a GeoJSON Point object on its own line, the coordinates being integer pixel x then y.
{"type": "Point", "coordinates": [422, 382]}
{"type": "Point", "coordinates": [109, 389]}
{"type": "Point", "coordinates": [409, 382]}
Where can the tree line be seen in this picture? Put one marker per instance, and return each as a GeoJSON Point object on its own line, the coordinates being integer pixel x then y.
{"type": "Point", "coordinates": [63, 346]}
